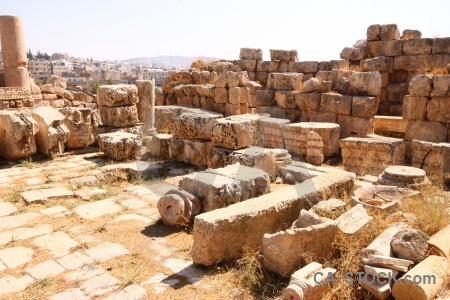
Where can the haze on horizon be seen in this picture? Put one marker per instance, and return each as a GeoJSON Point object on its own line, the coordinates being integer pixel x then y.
{"type": "Point", "coordinates": [115, 29]}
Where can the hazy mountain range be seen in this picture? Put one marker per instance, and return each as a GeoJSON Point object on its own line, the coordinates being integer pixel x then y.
{"type": "Point", "coordinates": [169, 62]}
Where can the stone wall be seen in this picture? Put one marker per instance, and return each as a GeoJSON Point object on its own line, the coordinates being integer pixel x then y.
{"type": "Point", "coordinates": [398, 58]}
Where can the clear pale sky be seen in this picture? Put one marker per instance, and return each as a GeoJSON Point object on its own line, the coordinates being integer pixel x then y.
{"type": "Point", "coordinates": [121, 29]}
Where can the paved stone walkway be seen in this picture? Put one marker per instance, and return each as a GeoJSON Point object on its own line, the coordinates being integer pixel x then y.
{"type": "Point", "coordinates": [71, 230]}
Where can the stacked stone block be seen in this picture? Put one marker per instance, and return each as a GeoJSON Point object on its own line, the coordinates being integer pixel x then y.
{"type": "Point", "coordinates": [249, 58]}
{"type": "Point", "coordinates": [427, 108]}
{"type": "Point", "coordinates": [231, 94]}
{"type": "Point", "coordinates": [433, 158]}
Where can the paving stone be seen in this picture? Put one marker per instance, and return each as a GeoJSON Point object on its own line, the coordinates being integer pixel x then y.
{"type": "Point", "coordinates": [58, 192]}
{"type": "Point", "coordinates": [106, 251]}
{"type": "Point", "coordinates": [16, 256]}
{"type": "Point", "coordinates": [34, 196]}
{"type": "Point", "coordinates": [6, 209]}
{"type": "Point", "coordinates": [185, 268]}
{"type": "Point", "coordinates": [2, 266]}
{"type": "Point", "coordinates": [11, 284]}
{"type": "Point", "coordinates": [58, 243]}
{"type": "Point", "coordinates": [134, 203]}
{"type": "Point", "coordinates": [72, 294]}
{"type": "Point", "coordinates": [85, 272]}
{"type": "Point", "coordinates": [141, 191]}
{"type": "Point", "coordinates": [5, 179]}
{"type": "Point", "coordinates": [132, 217]}
{"type": "Point", "coordinates": [54, 210]}
{"type": "Point", "coordinates": [84, 238]}
{"type": "Point", "coordinates": [45, 269]}
{"type": "Point", "coordinates": [74, 260]}
{"type": "Point", "coordinates": [24, 233]}
{"type": "Point", "coordinates": [98, 209]}
{"type": "Point", "coordinates": [100, 285]}
{"type": "Point", "coordinates": [160, 282]}
{"type": "Point", "coordinates": [86, 193]}
{"type": "Point", "coordinates": [84, 180]}
{"type": "Point", "coordinates": [131, 292]}
{"type": "Point", "coordinates": [34, 181]}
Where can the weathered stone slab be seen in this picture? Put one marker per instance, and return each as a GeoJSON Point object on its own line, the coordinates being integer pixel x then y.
{"type": "Point", "coordinates": [353, 220]}
{"type": "Point", "coordinates": [190, 151]}
{"type": "Point", "coordinates": [435, 132]}
{"type": "Point", "coordinates": [18, 139]}
{"type": "Point", "coordinates": [195, 125]}
{"type": "Point", "coordinates": [271, 132]}
{"type": "Point", "coordinates": [79, 121]}
{"type": "Point", "coordinates": [364, 107]}
{"type": "Point", "coordinates": [52, 132]}
{"type": "Point", "coordinates": [414, 108]}
{"type": "Point", "coordinates": [438, 109]}
{"type": "Point", "coordinates": [54, 89]}
{"type": "Point", "coordinates": [74, 260]}
{"type": "Point", "coordinates": [58, 243]}
{"type": "Point", "coordinates": [11, 284]}
{"type": "Point", "coordinates": [133, 291]}
{"type": "Point", "coordinates": [100, 285]}
{"type": "Point", "coordinates": [336, 103]}
{"type": "Point", "coordinates": [45, 269]}
{"type": "Point", "coordinates": [7, 209]}
{"type": "Point", "coordinates": [16, 256]}
{"type": "Point", "coordinates": [283, 251]}
{"type": "Point", "coordinates": [251, 53]}
{"type": "Point", "coordinates": [222, 234]}
{"type": "Point", "coordinates": [371, 155]}
{"type": "Point", "coordinates": [365, 84]}
{"type": "Point", "coordinates": [97, 209]}
{"type": "Point", "coordinates": [117, 95]}
{"type": "Point", "coordinates": [106, 251]}
{"type": "Point", "coordinates": [308, 218]}
{"type": "Point", "coordinates": [295, 174]}
{"type": "Point", "coordinates": [232, 133]}
{"type": "Point", "coordinates": [119, 145]}
{"type": "Point", "coordinates": [74, 294]}
{"type": "Point", "coordinates": [354, 127]}
{"type": "Point", "coordinates": [285, 81]}
{"type": "Point", "coordinates": [119, 116]}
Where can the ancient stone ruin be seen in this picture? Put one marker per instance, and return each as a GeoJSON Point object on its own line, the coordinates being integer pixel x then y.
{"type": "Point", "coordinates": [283, 158]}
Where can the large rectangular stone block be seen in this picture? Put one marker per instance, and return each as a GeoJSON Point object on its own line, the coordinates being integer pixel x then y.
{"type": "Point", "coordinates": [285, 99]}
{"type": "Point", "coordinates": [265, 98]}
{"type": "Point", "coordinates": [80, 124]}
{"type": "Point", "coordinates": [253, 119]}
{"type": "Point", "coordinates": [195, 125]}
{"type": "Point", "coordinates": [384, 48]}
{"type": "Point", "coordinates": [441, 46]}
{"type": "Point", "coordinates": [364, 107]}
{"type": "Point", "coordinates": [281, 55]}
{"type": "Point", "coordinates": [285, 81]}
{"type": "Point", "coordinates": [308, 101]}
{"type": "Point", "coordinates": [336, 103]}
{"type": "Point", "coordinates": [232, 133]}
{"type": "Point", "coordinates": [417, 46]}
{"type": "Point", "coordinates": [371, 155]}
{"type": "Point", "coordinates": [438, 109]}
{"type": "Point", "coordinates": [52, 132]}
{"type": "Point", "coordinates": [223, 234]}
{"type": "Point", "coordinates": [413, 63]}
{"type": "Point", "coordinates": [414, 108]}
{"type": "Point", "coordinates": [296, 137]}
{"type": "Point", "coordinates": [251, 53]}
{"type": "Point", "coordinates": [119, 145]}
{"type": "Point", "coordinates": [119, 116]}
{"type": "Point", "coordinates": [435, 132]}
{"type": "Point", "coordinates": [190, 151]}
{"type": "Point", "coordinates": [117, 95]}
{"type": "Point", "coordinates": [271, 132]}
{"type": "Point", "coordinates": [380, 64]}
{"type": "Point", "coordinates": [353, 126]}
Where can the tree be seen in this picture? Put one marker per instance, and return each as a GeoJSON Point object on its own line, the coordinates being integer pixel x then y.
{"type": "Point", "coordinates": [30, 55]}
{"type": "Point", "coordinates": [95, 86]}
{"type": "Point", "coordinates": [110, 81]}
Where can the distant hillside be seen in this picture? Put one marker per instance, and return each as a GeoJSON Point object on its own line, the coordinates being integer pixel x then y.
{"type": "Point", "coordinates": [169, 62]}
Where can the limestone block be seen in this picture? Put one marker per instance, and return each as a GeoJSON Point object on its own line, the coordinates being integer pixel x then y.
{"type": "Point", "coordinates": [146, 95]}
{"type": "Point", "coordinates": [441, 86]}
{"type": "Point", "coordinates": [243, 78]}
{"type": "Point", "coordinates": [336, 103]}
{"type": "Point", "coordinates": [222, 234]}
{"type": "Point", "coordinates": [254, 181]}
{"type": "Point", "coordinates": [311, 85]}
{"type": "Point", "coordinates": [52, 132]}
{"type": "Point", "coordinates": [373, 32]}
{"type": "Point", "coordinates": [281, 55]}
{"type": "Point", "coordinates": [285, 99]}
{"type": "Point", "coordinates": [308, 218]}
{"type": "Point", "coordinates": [265, 98]}
{"type": "Point", "coordinates": [17, 131]}
{"type": "Point", "coordinates": [323, 75]}
{"type": "Point", "coordinates": [354, 54]}
{"type": "Point", "coordinates": [381, 245]}
{"type": "Point", "coordinates": [283, 251]}
{"type": "Point", "coordinates": [365, 84]}
{"type": "Point", "coordinates": [371, 155]}
{"type": "Point", "coordinates": [435, 132]}
{"type": "Point", "coordinates": [219, 108]}
{"type": "Point", "coordinates": [195, 125]}
{"type": "Point", "coordinates": [388, 262]}
{"type": "Point", "coordinates": [410, 244]}
{"type": "Point", "coordinates": [228, 79]}
{"type": "Point", "coordinates": [308, 101]}
{"type": "Point", "coordinates": [213, 190]}
{"type": "Point", "coordinates": [285, 81]}
{"type": "Point", "coordinates": [353, 220]}
{"type": "Point", "coordinates": [271, 132]}
{"type": "Point", "coordinates": [413, 63]}
{"type": "Point", "coordinates": [284, 67]}
{"type": "Point", "coordinates": [380, 289]}
{"type": "Point", "coordinates": [314, 149]}
{"type": "Point", "coordinates": [57, 81]}
{"type": "Point", "coordinates": [159, 145]}
{"type": "Point", "coordinates": [190, 151]}
{"type": "Point", "coordinates": [389, 32]}
{"type": "Point", "coordinates": [232, 109]}
{"type": "Point", "coordinates": [441, 46]}
{"type": "Point", "coordinates": [251, 53]}
{"type": "Point", "coordinates": [411, 34]}
{"type": "Point", "coordinates": [49, 97]}
{"type": "Point", "coordinates": [440, 61]}
{"type": "Point", "coordinates": [52, 89]}
{"type": "Point", "coordinates": [353, 126]}
{"type": "Point", "coordinates": [420, 85]}
{"type": "Point", "coordinates": [178, 207]}
{"type": "Point", "coordinates": [222, 67]}
{"type": "Point", "coordinates": [119, 145]}
{"type": "Point", "coordinates": [246, 64]}
{"type": "Point", "coordinates": [336, 74]}
{"type": "Point", "coordinates": [296, 137]}
{"type": "Point", "coordinates": [119, 116]}
{"type": "Point", "coordinates": [364, 107]}
{"type": "Point", "coordinates": [234, 95]}
{"type": "Point", "coordinates": [380, 64]}
{"type": "Point", "coordinates": [218, 157]}
{"type": "Point", "coordinates": [322, 117]}
{"type": "Point", "coordinates": [417, 46]}
{"type": "Point", "coordinates": [384, 48]}
{"type": "Point", "coordinates": [60, 103]}
{"type": "Point", "coordinates": [436, 270]}
{"type": "Point", "coordinates": [331, 207]}
{"type": "Point", "coordinates": [221, 95]}
{"type": "Point", "coordinates": [438, 109]}
{"type": "Point", "coordinates": [303, 66]}
{"type": "Point", "coordinates": [232, 133]}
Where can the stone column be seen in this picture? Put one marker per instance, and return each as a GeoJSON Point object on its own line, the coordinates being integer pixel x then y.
{"type": "Point", "coordinates": [145, 106]}
{"type": "Point", "coordinates": [14, 52]}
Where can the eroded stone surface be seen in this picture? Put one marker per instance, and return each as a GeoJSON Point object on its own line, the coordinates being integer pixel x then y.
{"type": "Point", "coordinates": [97, 209]}
{"type": "Point", "coordinates": [58, 243]}
{"type": "Point", "coordinates": [105, 251]}
{"type": "Point", "coordinates": [16, 256]}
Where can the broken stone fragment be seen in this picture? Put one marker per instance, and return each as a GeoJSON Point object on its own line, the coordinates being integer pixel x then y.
{"type": "Point", "coordinates": [195, 125]}
{"type": "Point", "coordinates": [178, 207]}
{"type": "Point", "coordinates": [353, 220]}
{"type": "Point", "coordinates": [119, 116]}
{"type": "Point", "coordinates": [308, 218]}
{"type": "Point", "coordinates": [381, 245]}
{"type": "Point", "coordinates": [439, 243]}
{"type": "Point", "coordinates": [52, 132]}
{"type": "Point", "coordinates": [117, 95]}
{"type": "Point", "coordinates": [314, 149]}
{"type": "Point", "coordinates": [232, 133]}
{"type": "Point", "coordinates": [52, 89]}
{"type": "Point", "coordinates": [81, 130]}
{"type": "Point", "coordinates": [410, 244]}
{"type": "Point", "coordinates": [119, 145]}
{"type": "Point", "coordinates": [388, 262]}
